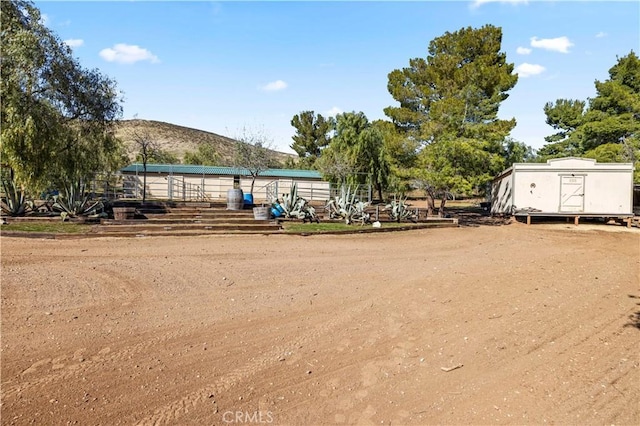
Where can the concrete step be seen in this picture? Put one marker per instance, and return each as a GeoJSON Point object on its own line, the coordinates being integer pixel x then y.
{"type": "Point", "coordinates": [203, 215]}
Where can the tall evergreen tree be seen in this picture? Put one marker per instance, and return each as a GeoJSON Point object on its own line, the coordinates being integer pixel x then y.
{"type": "Point", "coordinates": [607, 127]}
{"type": "Point", "coordinates": [449, 105]}
{"type": "Point", "coordinates": [313, 134]}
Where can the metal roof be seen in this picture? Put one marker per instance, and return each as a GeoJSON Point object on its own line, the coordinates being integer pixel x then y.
{"type": "Point", "coordinates": [189, 169]}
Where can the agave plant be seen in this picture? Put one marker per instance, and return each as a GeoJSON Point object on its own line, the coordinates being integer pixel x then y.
{"type": "Point", "coordinates": [346, 206]}
{"type": "Point", "coordinates": [14, 202]}
{"type": "Point", "coordinates": [296, 207]}
{"type": "Point", "coordinates": [399, 210]}
{"type": "Point", "coordinates": [76, 201]}
{"type": "Point", "coordinates": [289, 201]}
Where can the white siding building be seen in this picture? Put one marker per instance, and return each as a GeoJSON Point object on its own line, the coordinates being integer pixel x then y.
{"type": "Point", "coordinates": [209, 183]}
{"type": "Point", "coordinates": [571, 187]}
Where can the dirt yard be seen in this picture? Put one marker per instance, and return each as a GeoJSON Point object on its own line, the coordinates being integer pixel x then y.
{"type": "Point", "coordinates": [542, 323]}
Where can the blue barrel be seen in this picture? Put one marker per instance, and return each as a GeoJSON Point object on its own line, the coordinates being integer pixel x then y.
{"type": "Point", "coordinates": [248, 200]}
{"type": "Point", "coordinates": [279, 208]}
{"type": "Point", "coordinates": [275, 212]}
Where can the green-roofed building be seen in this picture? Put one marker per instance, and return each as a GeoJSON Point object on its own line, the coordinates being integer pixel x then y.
{"type": "Point", "coordinates": [211, 183]}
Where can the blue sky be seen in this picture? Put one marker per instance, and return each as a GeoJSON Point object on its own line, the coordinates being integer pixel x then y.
{"type": "Point", "coordinates": [225, 66]}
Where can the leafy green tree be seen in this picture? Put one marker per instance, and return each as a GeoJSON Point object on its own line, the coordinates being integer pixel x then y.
{"type": "Point", "coordinates": [564, 116]}
{"type": "Point", "coordinates": [56, 117]}
{"type": "Point", "coordinates": [358, 147]}
{"type": "Point", "coordinates": [449, 106]}
{"type": "Point", "coordinates": [335, 165]}
{"type": "Point", "coordinates": [614, 114]}
{"type": "Point", "coordinates": [205, 155]}
{"type": "Point", "coordinates": [516, 152]}
{"type": "Point", "coordinates": [401, 153]}
{"type": "Point", "coordinates": [606, 128]}
{"type": "Point", "coordinates": [313, 134]}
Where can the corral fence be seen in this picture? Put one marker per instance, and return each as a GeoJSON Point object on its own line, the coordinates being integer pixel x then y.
{"type": "Point", "coordinates": [212, 188]}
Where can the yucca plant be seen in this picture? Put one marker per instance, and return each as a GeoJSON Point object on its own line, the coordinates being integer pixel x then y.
{"type": "Point", "coordinates": [399, 210]}
{"type": "Point", "coordinates": [14, 202]}
{"type": "Point", "coordinates": [76, 201]}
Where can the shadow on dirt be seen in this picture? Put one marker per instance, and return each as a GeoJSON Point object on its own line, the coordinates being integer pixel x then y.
{"type": "Point", "coordinates": [635, 317]}
{"type": "Point", "coordinates": [474, 217]}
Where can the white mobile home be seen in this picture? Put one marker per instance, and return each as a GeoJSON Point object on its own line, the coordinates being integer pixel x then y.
{"type": "Point", "coordinates": [571, 187]}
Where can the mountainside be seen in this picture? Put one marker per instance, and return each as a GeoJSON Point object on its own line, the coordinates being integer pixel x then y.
{"type": "Point", "coordinates": [178, 139]}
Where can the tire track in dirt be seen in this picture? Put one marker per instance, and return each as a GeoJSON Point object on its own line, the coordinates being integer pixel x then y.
{"type": "Point", "coordinates": [60, 372]}
{"type": "Point", "coordinates": [91, 363]}
{"type": "Point", "coordinates": [99, 360]}
{"type": "Point", "coordinates": [604, 397]}
{"type": "Point", "coordinates": [178, 408]}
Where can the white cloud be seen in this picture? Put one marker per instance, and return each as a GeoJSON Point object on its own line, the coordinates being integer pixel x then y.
{"type": "Point", "coordinates": [477, 3]}
{"type": "Point", "coordinates": [127, 54]}
{"type": "Point", "coordinates": [523, 50]}
{"type": "Point", "coordinates": [527, 70]}
{"type": "Point", "coordinates": [558, 44]}
{"type": "Point", "coordinates": [74, 42]}
{"type": "Point", "coordinates": [601, 34]}
{"type": "Point", "coordinates": [274, 86]}
{"type": "Point", "coordinates": [333, 112]}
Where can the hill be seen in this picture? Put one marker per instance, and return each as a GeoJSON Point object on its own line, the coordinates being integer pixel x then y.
{"type": "Point", "coordinates": [178, 139]}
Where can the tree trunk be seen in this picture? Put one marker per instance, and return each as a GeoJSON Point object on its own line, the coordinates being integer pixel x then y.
{"type": "Point", "coordinates": [253, 182]}
{"type": "Point", "coordinates": [443, 201]}
{"type": "Point", "coordinates": [144, 182]}
{"type": "Point", "coordinates": [431, 203]}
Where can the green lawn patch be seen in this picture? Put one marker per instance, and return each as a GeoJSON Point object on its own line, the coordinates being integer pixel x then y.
{"type": "Point", "coordinates": [51, 228]}
{"type": "Point", "coordinates": [325, 227]}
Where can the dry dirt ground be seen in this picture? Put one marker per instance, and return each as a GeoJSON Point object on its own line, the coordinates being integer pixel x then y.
{"type": "Point", "coordinates": [542, 322]}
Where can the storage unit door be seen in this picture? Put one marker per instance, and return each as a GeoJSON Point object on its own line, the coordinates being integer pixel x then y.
{"type": "Point", "coordinates": [571, 193]}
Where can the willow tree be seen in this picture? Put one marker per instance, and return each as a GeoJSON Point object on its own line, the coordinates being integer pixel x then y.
{"type": "Point", "coordinates": [356, 154]}
{"type": "Point", "coordinates": [449, 105]}
{"type": "Point", "coordinates": [56, 116]}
